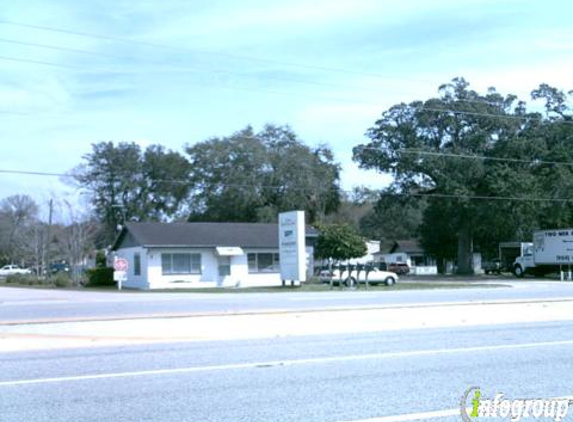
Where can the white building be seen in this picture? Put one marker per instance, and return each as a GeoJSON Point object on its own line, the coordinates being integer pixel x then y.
{"type": "Point", "coordinates": [188, 255]}
{"type": "Point", "coordinates": [411, 253]}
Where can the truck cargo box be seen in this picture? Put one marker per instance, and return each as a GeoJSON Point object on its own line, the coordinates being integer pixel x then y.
{"type": "Point", "coordinates": [553, 247]}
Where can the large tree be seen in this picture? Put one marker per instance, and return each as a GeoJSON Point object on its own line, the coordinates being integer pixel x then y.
{"type": "Point", "coordinates": [125, 182]}
{"type": "Point", "coordinates": [18, 219]}
{"type": "Point", "coordinates": [252, 176]}
{"type": "Point", "coordinates": [475, 157]}
{"type": "Point", "coordinates": [393, 217]}
{"type": "Point", "coordinates": [338, 242]}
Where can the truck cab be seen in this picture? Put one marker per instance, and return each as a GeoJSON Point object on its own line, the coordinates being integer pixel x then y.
{"type": "Point", "coordinates": [524, 263]}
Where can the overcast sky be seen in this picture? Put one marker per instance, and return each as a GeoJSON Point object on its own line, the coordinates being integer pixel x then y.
{"type": "Point", "coordinates": [177, 72]}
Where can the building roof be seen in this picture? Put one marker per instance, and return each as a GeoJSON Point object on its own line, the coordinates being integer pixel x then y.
{"type": "Point", "coordinates": [246, 235]}
{"type": "Point", "coordinates": [409, 246]}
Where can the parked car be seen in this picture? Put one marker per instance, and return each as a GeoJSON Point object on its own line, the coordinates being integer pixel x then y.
{"type": "Point", "coordinates": [7, 270]}
{"type": "Point", "coordinates": [375, 276]}
{"type": "Point", "coordinates": [57, 267]}
{"type": "Point", "coordinates": [493, 266]}
{"type": "Point", "coordinates": [400, 268]}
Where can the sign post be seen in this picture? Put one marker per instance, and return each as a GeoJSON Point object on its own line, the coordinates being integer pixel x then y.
{"type": "Point", "coordinates": [120, 266]}
{"type": "Point", "coordinates": [292, 247]}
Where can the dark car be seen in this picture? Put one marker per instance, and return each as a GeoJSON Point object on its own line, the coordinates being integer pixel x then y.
{"type": "Point", "coordinates": [493, 266]}
{"type": "Point", "coordinates": [59, 267]}
{"type": "Point", "coordinates": [399, 268]}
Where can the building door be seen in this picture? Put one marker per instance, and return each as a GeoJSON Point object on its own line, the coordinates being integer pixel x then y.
{"type": "Point", "coordinates": [224, 265]}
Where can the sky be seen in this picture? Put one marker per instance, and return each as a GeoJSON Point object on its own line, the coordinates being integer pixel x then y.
{"type": "Point", "coordinates": [175, 72]}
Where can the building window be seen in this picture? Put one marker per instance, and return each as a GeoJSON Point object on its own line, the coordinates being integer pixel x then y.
{"type": "Point", "coordinates": [263, 262]}
{"type": "Point", "coordinates": [137, 263]}
{"type": "Point", "coordinates": [180, 263]}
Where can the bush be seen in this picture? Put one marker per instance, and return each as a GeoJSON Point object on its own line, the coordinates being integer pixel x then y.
{"type": "Point", "coordinates": [98, 277]}
{"type": "Point", "coordinates": [23, 279]}
{"type": "Point", "coordinates": [26, 280]}
{"type": "Point", "coordinates": [60, 280]}
{"type": "Point", "coordinates": [100, 259]}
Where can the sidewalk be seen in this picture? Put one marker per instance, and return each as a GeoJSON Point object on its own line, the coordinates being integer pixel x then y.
{"type": "Point", "coordinates": [277, 324]}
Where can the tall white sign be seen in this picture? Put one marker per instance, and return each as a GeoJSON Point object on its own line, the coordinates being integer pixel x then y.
{"type": "Point", "coordinates": [292, 247]}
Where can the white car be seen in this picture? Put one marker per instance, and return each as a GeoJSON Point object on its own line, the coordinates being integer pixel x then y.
{"type": "Point", "coordinates": [375, 276]}
{"type": "Point", "coordinates": [7, 270]}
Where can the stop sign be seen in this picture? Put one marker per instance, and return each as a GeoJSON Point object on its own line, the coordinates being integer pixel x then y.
{"type": "Point", "coordinates": [120, 264]}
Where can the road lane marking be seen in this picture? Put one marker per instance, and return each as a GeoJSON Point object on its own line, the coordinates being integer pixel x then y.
{"type": "Point", "coordinates": [282, 311]}
{"type": "Point", "coordinates": [283, 363]}
{"type": "Point", "coordinates": [407, 417]}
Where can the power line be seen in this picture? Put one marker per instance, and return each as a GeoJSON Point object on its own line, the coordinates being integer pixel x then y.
{"type": "Point", "coordinates": [414, 151]}
{"type": "Point", "coordinates": [40, 62]}
{"type": "Point", "coordinates": [197, 51]}
{"type": "Point", "coordinates": [189, 50]}
{"type": "Point", "coordinates": [293, 94]}
{"type": "Point", "coordinates": [300, 188]}
{"type": "Point", "coordinates": [198, 70]}
{"type": "Point", "coordinates": [195, 69]}
{"type": "Point", "coordinates": [484, 197]}
{"type": "Point", "coordinates": [33, 173]}
{"type": "Point", "coordinates": [478, 114]}
{"type": "Point", "coordinates": [15, 113]}
{"type": "Point", "coordinates": [60, 48]}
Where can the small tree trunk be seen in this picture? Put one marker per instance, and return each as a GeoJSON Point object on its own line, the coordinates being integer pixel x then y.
{"type": "Point", "coordinates": [441, 264]}
{"type": "Point", "coordinates": [465, 252]}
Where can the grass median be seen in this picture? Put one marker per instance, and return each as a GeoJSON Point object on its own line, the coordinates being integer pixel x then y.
{"type": "Point", "coordinates": [305, 287]}
{"type": "Point", "coordinates": [324, 287]}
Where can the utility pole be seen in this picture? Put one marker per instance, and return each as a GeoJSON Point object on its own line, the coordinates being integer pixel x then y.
{"type": "Point", "coordinates": [46, 257]}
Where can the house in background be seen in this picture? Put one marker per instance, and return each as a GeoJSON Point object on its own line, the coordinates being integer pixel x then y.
{"type": "Point", "coordinates": [409, 252]}
{"type": "Point", "coordinates": [188, 255]}
{"type": "Point", "coordinates": [372, 247]}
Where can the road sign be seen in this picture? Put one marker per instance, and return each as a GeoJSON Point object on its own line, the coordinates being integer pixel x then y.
{"type": "Point", "coordinates": [119, 276]}
{"type": "Point", "coordinates": [120, 264]}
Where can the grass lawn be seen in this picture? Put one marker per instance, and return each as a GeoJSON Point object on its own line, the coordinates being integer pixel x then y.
{"type": "Point", "coordinates": [306, 287]}
{"type": "Point", "coordinates": [317, 287]}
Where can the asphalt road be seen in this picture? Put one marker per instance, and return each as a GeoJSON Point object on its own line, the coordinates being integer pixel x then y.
{"type": "Point", "coordinates": [352, 377]}
{"type": "Point", "coordinates": [37, 305]}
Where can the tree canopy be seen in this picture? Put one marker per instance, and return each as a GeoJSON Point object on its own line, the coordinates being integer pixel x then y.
{"type": "Point", "coordinates": [339, 242]}
{"type": "Point", "coordinates": [125, 182]}
{"type": "Point", "coordinates": [18, 218]}
{"type": "Point", "coordinates": [252, 177]}
{"type": "Point", "coordinates": [485, 165]}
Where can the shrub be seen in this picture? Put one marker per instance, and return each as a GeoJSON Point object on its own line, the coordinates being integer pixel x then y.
{"type": "Point", "coordinates": [61, 280]}
{"type": "Point", "coordinates": [98, 277]}
{"type": "Point", "coordinates": [100, 259]}
{"type": "Point", "coordinates": [24, 280]}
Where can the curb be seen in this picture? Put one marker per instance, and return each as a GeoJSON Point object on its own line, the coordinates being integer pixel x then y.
{"type": "Point", "coordinates": [278, 311]}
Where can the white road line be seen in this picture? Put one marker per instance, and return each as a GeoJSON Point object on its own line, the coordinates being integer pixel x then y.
{"type": "Point", "coordinates": [407, 417]}
{"type": "Point", "coordinates": [35, 302]}
{"type": "Point", "coordinates": [282, 363]}
{"type": "Point", "coordinates": [436, 304]}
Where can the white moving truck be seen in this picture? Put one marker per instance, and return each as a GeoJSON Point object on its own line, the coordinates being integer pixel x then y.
{"type": "Point", "coordinates": [551, 252]}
